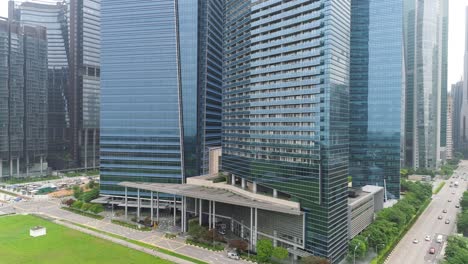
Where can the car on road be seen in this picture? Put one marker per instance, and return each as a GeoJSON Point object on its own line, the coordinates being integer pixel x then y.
{"type": "Point", "coordinates": [457, 206]}
{"type": "Point", "coordinates": [415, 241]}
{"type": "Point", "coordinates": [439, 239]}
{"type": "Point", "coordinates": [440, 217]}
{"type": "Point", "coordinates": [449, 200]}
{"type": "Point", "coordinates": [233, 255]}
{"type": "Point", "coordinates": [447, 221]}
{"type": "Point", "coordinates": [444, 211]}
{"type": "Point", "coordinates": [427, 238]}
{"type": "Point", "coordinates": [432, 250]}
{"type": "Point", "coordinates": [453, 192]}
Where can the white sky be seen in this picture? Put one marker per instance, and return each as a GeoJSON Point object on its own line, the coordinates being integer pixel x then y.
{"type": "Point", "coordinates": [456, 37]}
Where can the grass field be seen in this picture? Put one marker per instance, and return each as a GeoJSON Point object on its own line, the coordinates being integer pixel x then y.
{"type": "Point", "coordinates": [60, 245]}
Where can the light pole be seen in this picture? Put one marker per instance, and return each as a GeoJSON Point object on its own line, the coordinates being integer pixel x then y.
{"type": "Point", "coordinates": [376, 246]}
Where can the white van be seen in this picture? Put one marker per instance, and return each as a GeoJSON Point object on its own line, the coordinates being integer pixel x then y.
{"type": "Point", "coordinates": [439, 239]}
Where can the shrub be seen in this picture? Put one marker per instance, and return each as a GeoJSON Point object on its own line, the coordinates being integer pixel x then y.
{"type": "Point", "coordinates": [96, 208]}
{"type": "Point", "coordinates": [264, 250]}
{"type": "Point", "coordinates": [314, 260]}
{"type": "Point", "coordinates": [280, 253]}
{"type": "Point", "coordinates": [69, 202]}
{"type": "Point", "coordinates": [77, 204]}
{"type": "Point", "coordinates": [240, 245]}
{"type": "Point", "coordinates": [86, 206]}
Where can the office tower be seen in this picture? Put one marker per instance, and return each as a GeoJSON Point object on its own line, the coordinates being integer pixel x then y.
{"type": "Point", "coordinates": [74, 77]}
{"type": "Point", "coordinates": [425, 26]}
{"type": "Point", "coordinates": [376, 88]}
{"type": "Point", "coordinates": [443, 84]}
{"type": "Point", "coordinates": [161, 89]}
{"type": "Point", "coordinates": [285, 109]}
{"type": "Point", "coordinates": [457, 98]}
{"type": "Point", "coordinates": [449, 150]}
{"type": "Point", "coordinates": [23, 99]}
{"type": "Point", "coordinates": [54, 17]}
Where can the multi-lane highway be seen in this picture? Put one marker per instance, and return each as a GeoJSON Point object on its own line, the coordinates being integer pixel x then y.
{"type": "Point", "coordinates": [428, 224]}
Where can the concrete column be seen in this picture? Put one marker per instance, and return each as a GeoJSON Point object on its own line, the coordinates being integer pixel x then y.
{"type": "Point", "coordinates": [242, 229]}
{"type": "Point", "coordinates": [214, 214]}
{"type": "Point", "coordinates": [254, 187]}
{"type": "Point", "coordinates": [157, 207]}
{"type": "Point", "coordinates": [151, 205]}
{"type": "Point", "coordinates": [209, 214]}
{"type": "Point", "coordinates": [232, 225]}
{"type": "Point", "coordinates": [126, 203]}
{"type": "Point", "coordinates": [196, 206]}
{"type": "Point", "coordinates": [138, 205]}
{"type": "Point", "coordinates": [175, 210]}
{"type": "Point", "coordinates": [1, 168]}
{"type": "Point", "coordinates": [243, 183]}
{"type": "Point", "coordinates": [275, 242]}
{"type": "Point", "coordinates": [200, 212]}
{"type": "Point", "coordinates": [94, 148]}
{"type": "Point", "coordinates": [42, 165]}
{"type": "Point", "coordinates": [11, 167]}
{"type": "Point", "coordinates": [275, 193]}
{"type": "Point", "coordinates": [233, 179]}
{"type": "Point", "coordinates": [251, 229]}
{"type": "Point", "coordinates": [17, 167]}
{"type": "Point", "coordinates": [255, 228]}
{"type": "Point", "coordinates": [184, 215]}
{"type": "Point", "coordinates": [86, 148]}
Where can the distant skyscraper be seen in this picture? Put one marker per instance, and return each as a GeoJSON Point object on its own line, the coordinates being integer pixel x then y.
{"type": "Point", "coordinates": [449, 149]}
{"type": "Point", "coordinates": [457, 132]}
{"type": "Point", "coordinates": [54, 17]}
{"type": "Point", "coordinates": [285, 108]}
{"type": "Point", "coordinates": [23, 99]}
{"type": "Point", "coordinates": [74, 77]}
{"type": "Point", "coordinates": [161, 92]}
{"type": "Point", "coordinates": [425, 29]}
{"type": "Point", "coordinates": [463, 104]}
{"type": "Point", "coordinates": [376, 88]}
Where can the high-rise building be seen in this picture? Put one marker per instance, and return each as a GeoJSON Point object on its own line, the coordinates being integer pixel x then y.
{"type": "Point", "coordinates": [457, 99]}
{"type": "Point", "coordinates": [74, 77]}
{"type": "Point", "coordinates": [449, 149]}
{"type": "Point", "coordinates": [376, 88]}
{"type": "Point", "coordinates": [161, 90]}
{"type": "Point", "coordinates": [285, 109]}
{"type": "Point", "coordinates": [23, 99]}
{"type": "Point", "coordinates": [54, 17]}
{"type": "Point", "coordinates": [425, 29]}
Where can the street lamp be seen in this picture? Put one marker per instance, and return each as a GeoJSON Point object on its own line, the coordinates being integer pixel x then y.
{"type": "Point", "coordinates": [376, 246]}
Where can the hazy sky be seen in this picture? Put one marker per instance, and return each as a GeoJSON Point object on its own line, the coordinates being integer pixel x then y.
{"type": "Point", "coordinates": [456, 37]}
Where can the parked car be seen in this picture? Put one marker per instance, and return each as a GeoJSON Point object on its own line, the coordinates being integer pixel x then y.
{"type": "Point", "coordinates": [427, 238]}
{"type": "Point", "coordinates": [233, 255]}
{"type": "Point", "coordinates": [432, 250]}
{"type": "Point", "coordinates": [447, 221]}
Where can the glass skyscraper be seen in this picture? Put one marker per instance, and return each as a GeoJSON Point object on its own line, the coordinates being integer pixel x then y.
{"type": "Point", "coordinates": [376, 89]}
{"type": "Point", "coordinates": [285, 108]}
{"type": "Point", "coordinates": [425, 50]}
{"type": "Point", "coordinates": [161, 89]}
{"type": "Point", "coordinates": [23, 99]}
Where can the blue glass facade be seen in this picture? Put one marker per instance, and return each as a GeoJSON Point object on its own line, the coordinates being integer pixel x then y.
{"type": "Point", "coordinates": [285, 108]}
{"type": "Point", "coordinates": [376, 89]}
{"type": "Point", "coordinates": [150, 103]}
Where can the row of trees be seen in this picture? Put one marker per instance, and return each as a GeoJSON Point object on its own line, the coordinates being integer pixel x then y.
{"type": "Point", "coordinates": [462, 224]}
{"type": "Point", "coordinates": [457, 250]}
{"type": "Point", "coordinates": [446, 169]}
{"type": "Point", "coordinates": [80, 194]}
{"type": "Point", "coordinates": [87, 207]}
{"type": "Point", "coordinates": [390, 221]}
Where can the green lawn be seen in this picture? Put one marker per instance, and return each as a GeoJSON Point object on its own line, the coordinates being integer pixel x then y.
{"type": "Point", "coordinates": [61, 245]}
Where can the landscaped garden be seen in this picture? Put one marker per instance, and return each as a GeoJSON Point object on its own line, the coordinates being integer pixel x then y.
{"type": "Point", "coordinates": [60, 245]}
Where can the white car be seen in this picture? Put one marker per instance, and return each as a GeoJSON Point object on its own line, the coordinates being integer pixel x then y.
{"type": "Point", "coordinates": [415, 241]}
{"type": "Point", "coordinates": [427, 238]}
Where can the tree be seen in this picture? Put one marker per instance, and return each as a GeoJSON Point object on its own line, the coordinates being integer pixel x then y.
{"type": "Point", "coordinates": [90, 195]}
{"type": "Point", "coordinates": [357, 247]}
{"type": "Point", "coordinates": [86, 206]}
{"type": "Point", "coordinates": [375, 236]}
{"type": "Point", "coordinates": [264, 250]}
{"type": "Point", "coordinates": [393, 215]}
{"type": "Point", "coordinates": [196, 231]}
{"type": "Point", "coordinates": [456, 251]}
{"type": "Point", "coordinates": [238, 244]}
{"type": "Point", "coordinates": [91, 184]}
{"type": "Point", "coordinates": [280, 253]}
{"type": "Point", "coordinates": [462, 224]}
{"type": "Point", "coordinates": [77, 191]}
{"type": "Point", "coordinates": [464, 201]}
{"type": "Point", "coordinates": [314, 260]}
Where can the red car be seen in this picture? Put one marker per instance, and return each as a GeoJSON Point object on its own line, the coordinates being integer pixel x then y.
{"type": "Point", "coordinates": [432, 250]}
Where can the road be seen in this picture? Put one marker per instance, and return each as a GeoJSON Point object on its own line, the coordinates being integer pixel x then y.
{"type": "Point", "coordinates": [428, 224]}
